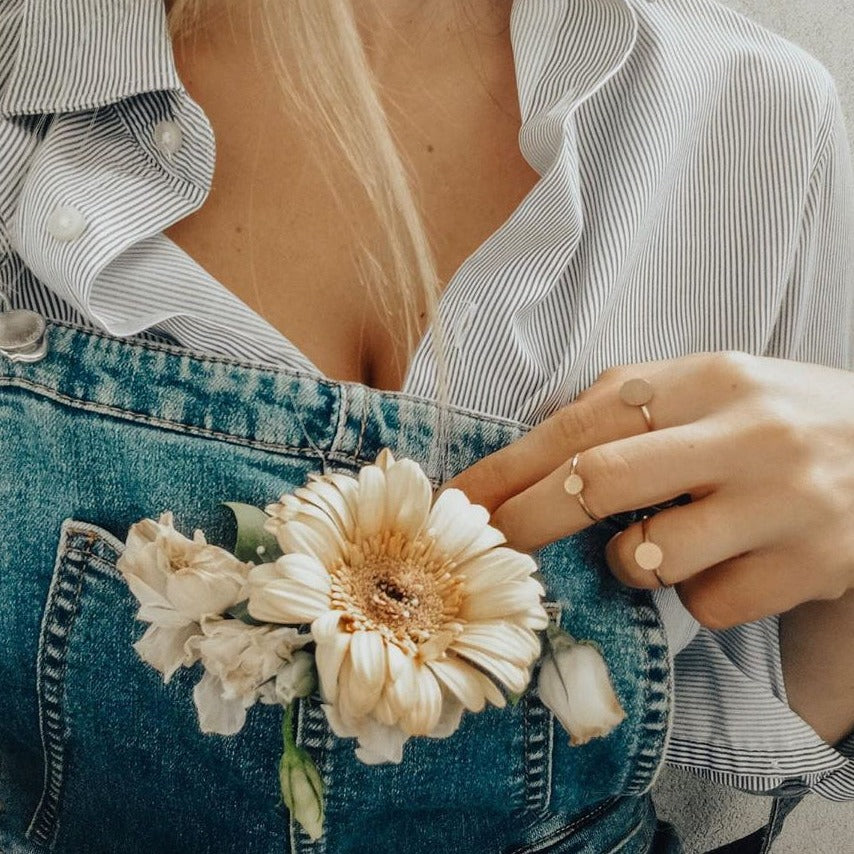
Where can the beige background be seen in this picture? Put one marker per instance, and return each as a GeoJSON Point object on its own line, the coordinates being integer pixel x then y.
{"type": "Point", "coordinates": [710, 816]}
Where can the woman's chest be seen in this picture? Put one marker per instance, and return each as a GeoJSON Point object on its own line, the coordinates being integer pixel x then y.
{"type": "Point", "coordinates": [305, 255]}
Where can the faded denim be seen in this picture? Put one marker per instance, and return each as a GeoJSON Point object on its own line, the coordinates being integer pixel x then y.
{"type": "Point", "coordinates": [98, 755]}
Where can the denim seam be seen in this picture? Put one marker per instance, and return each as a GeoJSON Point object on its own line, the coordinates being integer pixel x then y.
{"type": "Point", "coordinates": [341, 425]}
{"type": "Point", "coordinates": [628, 837]}
{"type": "Point", "coordinates": [260, 367]}
{"type": "Point", "coordinates": [566, 830]}
{"type": "Point", "coordinates": [538, 741]}
{"type": "Point", "coordinates": [60, 613]}
{"type": "Point", "coordinates": [149, 420]}
{"type": "Point", "coordinates": [180, 427]}
{"type": "Point", "coordinates": [654, 730]}
{"type": "Point", "coordinates": [357, 451]}
{"type": "Point", "coordinates": [314, 735]}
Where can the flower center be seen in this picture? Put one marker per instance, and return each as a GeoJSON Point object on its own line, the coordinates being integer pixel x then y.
{"type": "Point", "coordinates": [396, 587]}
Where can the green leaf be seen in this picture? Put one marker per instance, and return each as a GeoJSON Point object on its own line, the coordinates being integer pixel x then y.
{"type": "Point", "coordinates": [240, 611]}
{"type": "Point", "coordinates": [251, 534]}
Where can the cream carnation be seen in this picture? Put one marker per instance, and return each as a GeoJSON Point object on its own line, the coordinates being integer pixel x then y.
{"type": "Point", "coordinates": [177, 581]}
{"type": "Point", "coordinates": [240, 663]}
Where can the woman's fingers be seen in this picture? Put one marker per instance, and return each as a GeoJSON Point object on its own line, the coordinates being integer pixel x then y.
{"type": "Point", "coordinates": [749, 587]}
{"type": "Point", "coordinates": [683, 391]}
{"type": "Point", "coordinates": [618, 476]}
{"type": "Point", "coordinates": [692, 538]}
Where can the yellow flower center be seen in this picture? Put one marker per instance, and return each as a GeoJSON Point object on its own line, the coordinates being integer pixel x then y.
{"type": "Point", "coordinates": [396, 587]}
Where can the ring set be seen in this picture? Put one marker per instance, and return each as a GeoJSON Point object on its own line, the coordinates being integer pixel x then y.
{"type": "Point", "coordinates": [648, 555]}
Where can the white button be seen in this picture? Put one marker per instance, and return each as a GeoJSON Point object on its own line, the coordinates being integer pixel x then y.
{"type": "Point", "coordinates": [66, 223]}
{"type": "Point", "coordinates": [168, 137]}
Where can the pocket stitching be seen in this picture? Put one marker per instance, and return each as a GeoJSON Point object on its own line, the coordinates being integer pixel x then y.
{"type": "Point", "coordinates": [61, 609]}
{"type": "Point", "coordinates": [566, 830]}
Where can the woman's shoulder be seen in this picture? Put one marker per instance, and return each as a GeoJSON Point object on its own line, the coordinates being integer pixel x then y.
{"type": "Point", "coordinates": [726, 56]}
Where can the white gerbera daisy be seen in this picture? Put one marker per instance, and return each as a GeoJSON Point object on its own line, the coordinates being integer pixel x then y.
{"type": "Point", "coordinates": [415, 607]}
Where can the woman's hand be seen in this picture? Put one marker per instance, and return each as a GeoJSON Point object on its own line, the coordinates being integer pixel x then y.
{"type": "Point", "coordinates": [764, 447]}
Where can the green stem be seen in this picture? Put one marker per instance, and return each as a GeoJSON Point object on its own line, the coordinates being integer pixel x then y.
{"type": "Point", "coordinates": [288, 729]}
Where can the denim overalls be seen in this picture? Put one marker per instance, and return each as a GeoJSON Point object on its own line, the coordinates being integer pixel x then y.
{"type": "Point", "coordinates": [98, 755]}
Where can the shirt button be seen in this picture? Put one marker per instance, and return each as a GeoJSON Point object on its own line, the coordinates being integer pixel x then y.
{"type": "Point", "coordinates": [66, 223]}
{"type": "Point", "coordinates": [168, 137]}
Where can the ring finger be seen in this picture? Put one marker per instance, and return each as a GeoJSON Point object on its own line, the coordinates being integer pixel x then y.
{"type": "Point", "coordinates": [691, 538]}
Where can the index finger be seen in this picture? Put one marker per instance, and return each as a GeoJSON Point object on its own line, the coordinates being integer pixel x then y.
{"type": "Point", "coordinates": [596, 417]}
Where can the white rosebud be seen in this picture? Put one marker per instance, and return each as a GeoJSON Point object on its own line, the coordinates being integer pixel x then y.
{"type": "Point", "coordinates": [302, 790]}
{"type": "Point", "coordinates": [574, 683]}
{"type": "Point", "coordinates": [296, 678]}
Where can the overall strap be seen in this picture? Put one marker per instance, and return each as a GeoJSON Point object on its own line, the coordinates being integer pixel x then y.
{"type": "Point", "coordinates": [761, 841]}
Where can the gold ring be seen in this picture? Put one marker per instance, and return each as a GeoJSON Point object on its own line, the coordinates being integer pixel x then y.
{"type": "Point", "coordinates": [638, 392]}
{"type": "Point", "coordinates": [648, 555]}
{"type": "Point", "coordinates": [574, 485]}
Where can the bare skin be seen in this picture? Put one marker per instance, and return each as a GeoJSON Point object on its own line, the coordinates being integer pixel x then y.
{"type": "Point", "coordinates": [271, 232]}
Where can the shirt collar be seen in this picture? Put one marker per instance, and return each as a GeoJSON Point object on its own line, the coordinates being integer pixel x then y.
{"type": "Point", "coordinates": [82, 54]}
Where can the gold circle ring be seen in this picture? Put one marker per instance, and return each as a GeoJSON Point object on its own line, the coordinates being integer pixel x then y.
{"type": "Point", "coordinates": [574, 485]}
{"type": "Point", "coordinates": [649, 556]}
{"type": "Point", "coordinates": [638, 392]}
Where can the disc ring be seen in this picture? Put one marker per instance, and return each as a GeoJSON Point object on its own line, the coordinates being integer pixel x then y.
{"type": "Point", "coordinates": [649, 556]}
{"type": "Point", "coordinates": [638, 392]}
{"type": "Point", "coordinates": [574, 485]}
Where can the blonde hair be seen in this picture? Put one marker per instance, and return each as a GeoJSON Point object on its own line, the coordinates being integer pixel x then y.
{"type": "Point", "coordinates": [324, 72]}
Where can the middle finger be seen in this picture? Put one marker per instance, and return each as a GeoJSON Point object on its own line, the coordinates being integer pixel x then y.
{"type": "Point", "coordinates": [618, 476]}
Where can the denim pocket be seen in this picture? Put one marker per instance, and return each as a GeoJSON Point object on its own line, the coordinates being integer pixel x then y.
{"type": "Point", "coordinates": [126, 767]}
{"type": "Point", "coordinates": [470, 792]}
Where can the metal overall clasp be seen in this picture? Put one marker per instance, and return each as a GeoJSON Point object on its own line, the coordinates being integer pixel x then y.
{"type": "Point", "coordinates": [23, 333]}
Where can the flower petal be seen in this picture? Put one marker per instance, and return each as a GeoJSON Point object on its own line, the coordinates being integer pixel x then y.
{"type": "Point", "coordinates": [455, 522]}
{"type": "Point", "coordinates": [486, 540]}
{"type": "Point", "coordinates": [498, 566]}
{"type": "Point", "coordinates": [216, 714]}
{"type": "Point", "coordinates": [196, 592]}
{"type": "Point", "coordinates": [575, 684]}
{"type": "Point", "coordinates": [399, 692]}
{"type": "Point", "coordinates": [385, 459]}
{"type": "Point", "coordinates": [327, 496]}
{"type": "Point", "coordinates": [408, 498]}
{"type": "Point", "coordinates": [514, 677]}
{"type": "Point", "coordinates": [363, 673]}
{"type": "Point", "coordinates": [332, 647]}
{"type": "Point", "coordinates": [503, 601]}
{"type": "Point", "coordinates": [449, 720]}
{"type": "Point", "coordinates": [471, 687]}
{"type": "Point", "coordinates": [425, 706]}
{"type": "Point", "coordinates": [348, 487]}
{"type": "Point", "coordinates": [288, 602]}
{"type": "Point", "coordinates": [378, 743]}
{"type": "Point", "coordinates": [145, 564]}
{"type": "Point", "coordinates": [371, 506]}
{"type": "Point", "coordinates": [321, 539]}
{"type": "Point", "coordinates": [298, 595]}
{"type": "Point", "coordinates": [163, 647]}
{"type": "Point", "coordinates": [506, 640]}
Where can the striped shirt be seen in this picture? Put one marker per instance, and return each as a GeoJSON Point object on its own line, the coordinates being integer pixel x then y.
{"type": "Point", "coordinates": [695, 193]}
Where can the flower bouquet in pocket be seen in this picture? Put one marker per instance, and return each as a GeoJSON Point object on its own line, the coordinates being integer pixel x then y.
{"type": "Point", "coordinates": [400, 611]}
